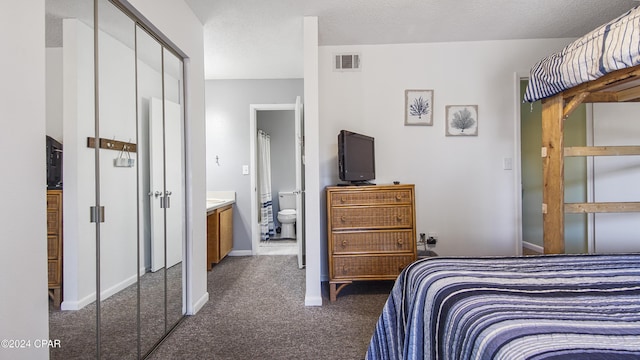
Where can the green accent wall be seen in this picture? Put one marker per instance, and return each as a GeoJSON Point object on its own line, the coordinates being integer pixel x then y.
{"type": "Point", "coordinates": [575, 175]}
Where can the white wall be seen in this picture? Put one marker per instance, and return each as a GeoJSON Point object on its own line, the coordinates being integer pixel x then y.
{"type": "Point", "coordinates": [616, 178]}
{"type": "Point", "coordinates": [54, 92]}
{"type": "Point", "coordinates": [23, 259]}
{"type": "Point", "coordinates": [462, 191]}
{"type": "Point", "coordinates": [78, 166]}
{"type": "Point", "coordinates": [228, 138]}
{"type": "Point", "coordinates": [312, 174]}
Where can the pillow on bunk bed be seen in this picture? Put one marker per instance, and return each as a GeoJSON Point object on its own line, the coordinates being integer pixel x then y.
{"type": "Point", "coordinates": [612, 46]}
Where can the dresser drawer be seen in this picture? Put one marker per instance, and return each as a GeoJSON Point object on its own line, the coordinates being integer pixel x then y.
{"type": "Point", "coordinates": [348, 242]}
{"type": "Point", "coordinates": [54, 272]}
{"type": "Point", "coordinates": [53, 201]}
{"type": "Point", "coordinates": [371, 197]}
{"type": "Point", "coordinates": [379, 217]}
{"type": "Point", "coordinates": [53, 244]}
{"type": "Point", "coordinates": [379, 267]}
{"type": "Point", "coordinates": [53, 222]}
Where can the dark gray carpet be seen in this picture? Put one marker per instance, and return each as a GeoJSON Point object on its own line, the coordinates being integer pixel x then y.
{"type": "Point", "coordinates": [76, 330]}
{"type": "Point", "coordinates": [256, 311]}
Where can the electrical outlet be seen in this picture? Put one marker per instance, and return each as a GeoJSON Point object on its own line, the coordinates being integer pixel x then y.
{"type": "Point", "coordinates": [432, 239]}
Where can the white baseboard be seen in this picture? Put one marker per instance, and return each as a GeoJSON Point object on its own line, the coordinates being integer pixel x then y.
{"type": "Point", "coordinates": [240, 253]}
{"type": "Point", "coordinates": [313, 301]}
{"type": "Point", "coordinates": [116, 288]}
{"type": "Point", "coordinates": [199, 304]}
{"type": "Point", "coordinates": [77, 305]}
{"type": "Point", "coordinates": [534, 247]}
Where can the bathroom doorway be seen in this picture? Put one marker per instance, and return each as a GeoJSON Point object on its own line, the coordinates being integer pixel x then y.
{"type": "Point", "coordinates": [281, 126]}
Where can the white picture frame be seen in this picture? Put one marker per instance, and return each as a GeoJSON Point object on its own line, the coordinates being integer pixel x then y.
{"type": "Point", "coordinates": [461, 120]}
{"type": "Point", "coordinates": [418, 107]}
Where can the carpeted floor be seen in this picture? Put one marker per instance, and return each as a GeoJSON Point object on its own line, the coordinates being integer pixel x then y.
{"type": "Point", "coordinates": [76, 330]}
{"type": "Point", "coordinates": [256, 311]}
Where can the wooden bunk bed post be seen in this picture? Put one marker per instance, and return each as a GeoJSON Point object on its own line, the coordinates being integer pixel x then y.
{"type": "Point", "coordinates": [553, 174]}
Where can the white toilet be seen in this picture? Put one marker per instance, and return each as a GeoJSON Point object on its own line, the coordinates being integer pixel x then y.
{"type": "Point", "coordinates": [287, 214]}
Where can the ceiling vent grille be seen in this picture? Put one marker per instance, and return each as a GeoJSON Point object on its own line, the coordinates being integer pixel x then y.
{"type": "Point", "coordinates": [346, 62]}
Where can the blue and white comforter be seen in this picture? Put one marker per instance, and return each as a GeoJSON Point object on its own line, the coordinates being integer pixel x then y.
{"type": "Point", "coordinates": [610, 47]}
{"type": "Point", "coordinates": [542, 307]}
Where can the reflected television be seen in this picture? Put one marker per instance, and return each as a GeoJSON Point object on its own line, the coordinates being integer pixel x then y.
{"type": "Point", "coordinates": [54, 164]}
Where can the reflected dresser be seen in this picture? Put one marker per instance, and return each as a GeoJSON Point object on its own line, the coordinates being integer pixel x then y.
{"type": "Point", "coordinates": [54, 245]}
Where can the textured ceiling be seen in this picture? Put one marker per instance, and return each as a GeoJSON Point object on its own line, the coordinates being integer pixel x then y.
{"type": "Point", "coordinates": [257, 39]}
{"type": "Point", "coordinates": [260, 39]}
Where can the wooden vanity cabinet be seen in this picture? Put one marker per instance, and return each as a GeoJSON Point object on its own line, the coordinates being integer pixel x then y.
{"type": "Point", "coordinates": [219, 234]}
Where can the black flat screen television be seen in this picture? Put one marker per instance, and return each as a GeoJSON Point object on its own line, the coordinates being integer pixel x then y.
{"type": "Point", "coordinates": [356, 157]}
{"type": "Point", "coordinates": [54, 164]}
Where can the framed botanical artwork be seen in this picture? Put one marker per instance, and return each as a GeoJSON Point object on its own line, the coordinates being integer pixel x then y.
{"type": "Point", "coordinates": [462, 120]}
{"type": "Point", "coordinates": [418, 107]}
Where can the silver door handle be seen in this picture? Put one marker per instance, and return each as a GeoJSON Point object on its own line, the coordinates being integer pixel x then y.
{"type": "Point", "coordinates": [157, 193]}
{"type": "Point", "coordinates": [167, 192]}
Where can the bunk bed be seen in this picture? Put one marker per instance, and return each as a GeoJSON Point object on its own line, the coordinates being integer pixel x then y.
{"type": "Point", "coordinates": [551, 306]}
{"type": "Point", "coordinates": [600, 67]}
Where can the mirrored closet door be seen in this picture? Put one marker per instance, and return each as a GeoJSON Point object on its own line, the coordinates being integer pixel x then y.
{"type": "Point", "coordinates": [174, 185]}
{"type": "Point", "coordinates": [161, 132]}
{"type": "Point", "coordinates": [117, 184]}
{"type": "Point", "coordinates": [124, 212]}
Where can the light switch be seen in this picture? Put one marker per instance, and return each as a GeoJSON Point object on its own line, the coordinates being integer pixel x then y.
{"type": "Point", "coordinates": [508, 163]}
{"type": "Point", "coordinates": [245, 169]}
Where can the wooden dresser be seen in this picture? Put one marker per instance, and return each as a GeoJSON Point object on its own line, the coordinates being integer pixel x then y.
{"type": "Point", "coordinates": [54, 245]}
{"type": "Point", "coordinates": [371, 233]}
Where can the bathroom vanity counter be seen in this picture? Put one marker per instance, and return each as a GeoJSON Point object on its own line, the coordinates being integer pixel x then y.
{"type": "Point", "coordinates": [219, 199]}
{"type": "Point", "coordinates": [219, 225]}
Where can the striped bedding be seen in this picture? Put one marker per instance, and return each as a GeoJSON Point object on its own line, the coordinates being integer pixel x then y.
{"type": "Point", "coordinates": [538, 307]}
{"type": "Point", "coordinates": [612, 46]}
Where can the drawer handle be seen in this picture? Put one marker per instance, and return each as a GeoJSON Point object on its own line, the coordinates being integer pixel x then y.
{"type": "Point", "coordinates": [400, 241]}
{"type": "Point", "coordinates": [344, 269]}
{"type": "Point", "coordinates": [398, 197]}
{"type": "Point", "coordinates": [399, 217]}
{"type": "Point", "coordinates": [343, 199]}
{"type": "Point", "coordinates": [344, 243]}
{"type": "Point", "coordinates": [343, 218]}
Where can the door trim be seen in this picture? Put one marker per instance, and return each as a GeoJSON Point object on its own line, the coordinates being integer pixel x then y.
{"type": "Point", "coordinates": [253, 129]}
{"type": "Point", "coordinates": [517, 168]}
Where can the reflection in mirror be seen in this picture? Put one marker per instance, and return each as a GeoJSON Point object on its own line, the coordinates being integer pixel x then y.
{"type": "Point", "coordinates": [136, 271]}
{"type": "Point", "coordinates": [174, 185]}
{"type": "Point", "coordinates": [70, 120]}
{"type": "Point", "coordinates": [118, 234]}
{"type": "Point", "coordinates": [152, 275]}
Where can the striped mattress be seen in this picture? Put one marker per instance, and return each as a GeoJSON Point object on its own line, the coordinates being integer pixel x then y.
{"type": "Point", "coordinates": [610, 47]}
{"type": "Point", "coordinates": [538, 307]}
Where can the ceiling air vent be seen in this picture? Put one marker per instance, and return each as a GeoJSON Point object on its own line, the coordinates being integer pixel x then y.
{"type": "Point", "coordinates": [347, 62]}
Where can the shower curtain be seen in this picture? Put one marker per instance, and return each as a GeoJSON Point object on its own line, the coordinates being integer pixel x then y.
{"type": "Point", "coordinates": [264, 186]}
